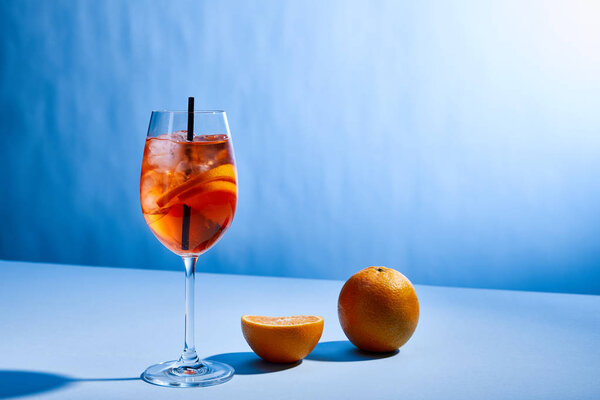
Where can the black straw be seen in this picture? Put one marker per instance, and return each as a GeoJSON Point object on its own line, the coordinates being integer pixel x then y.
{"type": "Point", "coordinates": [190, 131]}
{"type": "Point", "coordinates": [185, 224]}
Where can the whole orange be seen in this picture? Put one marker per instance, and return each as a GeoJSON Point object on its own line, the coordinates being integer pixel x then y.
{"type": "Point", "coordinates": [378, 309]}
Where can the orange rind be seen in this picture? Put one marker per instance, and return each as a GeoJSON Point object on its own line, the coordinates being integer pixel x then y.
{"type": "Point", "coordinates": [223, 174]}
{"type": "Point", "coordinates": [282, 339]}
{"type": "Point", "coordinates": [378, 309]}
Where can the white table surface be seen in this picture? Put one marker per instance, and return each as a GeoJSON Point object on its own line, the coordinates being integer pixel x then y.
{"type": "Point", "coordinates": [72, 332]}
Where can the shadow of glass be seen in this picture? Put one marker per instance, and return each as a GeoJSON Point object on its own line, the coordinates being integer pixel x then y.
{"type": "Point", "coordinates": [24, 383]}
{"type": "Point", "coordinates": [107, 379]}
{"type": "Point", "coordinates": [249, 363]}
{"type": "Point", "coordinates": [343, 350]}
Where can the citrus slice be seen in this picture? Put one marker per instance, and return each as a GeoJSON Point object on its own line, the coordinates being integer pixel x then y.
{"type": "Point", "coordinates": [225, 172]}
{"type": "Point", "coordinates": [282, 339]}
{"type": "Point", "coordinates": [207, 187]}
{"type": "Point", "coordinates": [216, 200]}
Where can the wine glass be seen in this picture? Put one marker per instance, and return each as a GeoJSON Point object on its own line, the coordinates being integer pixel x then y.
{"type": "Point", "coordinates": [188, 191]}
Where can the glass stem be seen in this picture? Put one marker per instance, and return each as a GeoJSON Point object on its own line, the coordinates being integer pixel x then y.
{"type": "Point", "coordinates": [189, 356]}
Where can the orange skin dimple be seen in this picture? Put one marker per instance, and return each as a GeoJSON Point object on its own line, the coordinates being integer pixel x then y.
{"type": "Point", "coordinates": [282, 339]}
{"type": "Point", "coordinates": [378, 309]}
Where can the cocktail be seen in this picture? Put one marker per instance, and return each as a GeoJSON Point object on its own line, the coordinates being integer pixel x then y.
{"type": "Point", "coordinates": [188, 192]}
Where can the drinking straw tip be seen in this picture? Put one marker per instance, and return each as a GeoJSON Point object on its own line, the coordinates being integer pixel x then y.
{"type": "Point", "coordinates": [190, 132]}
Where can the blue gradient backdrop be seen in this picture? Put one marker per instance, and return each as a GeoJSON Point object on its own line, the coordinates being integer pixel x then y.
{"type": "Point", "coordinates": [458, 142]}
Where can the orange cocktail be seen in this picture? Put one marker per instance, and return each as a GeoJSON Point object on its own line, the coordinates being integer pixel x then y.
{"type": "Point", "coordinates": [188, 190]}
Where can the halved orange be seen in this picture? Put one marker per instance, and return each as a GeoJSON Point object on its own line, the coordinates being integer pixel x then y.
{"type": "Point", "coordinates": [282, 339]}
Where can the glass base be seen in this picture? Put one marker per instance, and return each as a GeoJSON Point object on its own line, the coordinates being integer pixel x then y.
{"type": "Point", "coordinates": [175, 374]}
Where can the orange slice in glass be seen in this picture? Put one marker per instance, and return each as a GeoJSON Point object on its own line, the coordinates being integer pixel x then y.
{"type": "Point", "coordinates": [209, 187]}
{"type": "Point", "coordinates": [282, 339]}
{"type": "Point", "coordinates": [225, 173]}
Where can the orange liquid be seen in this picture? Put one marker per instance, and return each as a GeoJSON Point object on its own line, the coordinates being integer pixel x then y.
{"type": "Point", "coordinates": [200, 175]}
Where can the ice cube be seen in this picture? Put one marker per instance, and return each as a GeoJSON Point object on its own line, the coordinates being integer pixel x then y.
{"type": "Point", "coordinates": [178, 136]}
{"type": "Point", "coordinates": [210, 138]}
{"type": "Point", "coordinates": [184, 167]}
{"type": "Point", "coordinates": [203, 167]}
{"type": "Point", "coordinates": [176, 178]}
{"type": "Point", "coordinates": [151, 189]}
{"type": "Point", "coordinates": [164, 153]}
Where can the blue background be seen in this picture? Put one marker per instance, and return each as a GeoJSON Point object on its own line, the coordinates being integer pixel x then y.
{"type": "Point", "coordinates": [458, 142]}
